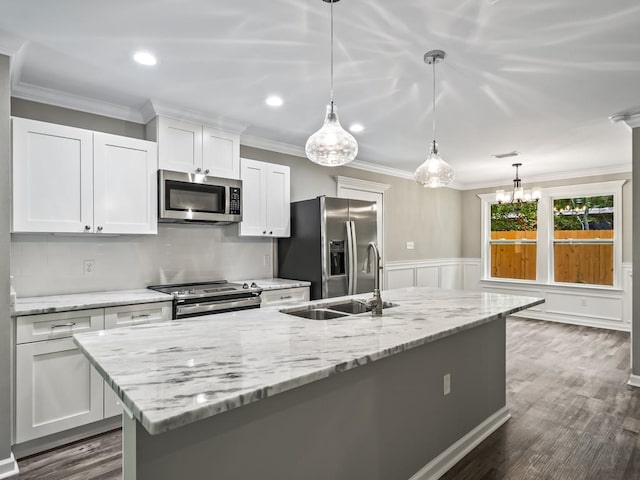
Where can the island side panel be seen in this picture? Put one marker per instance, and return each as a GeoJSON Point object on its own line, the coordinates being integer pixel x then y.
{"type": "Point", "coordinates": [384, 420]}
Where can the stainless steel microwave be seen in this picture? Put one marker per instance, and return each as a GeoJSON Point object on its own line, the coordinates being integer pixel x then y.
{"type": "Point", "coordinates": [192, 197]}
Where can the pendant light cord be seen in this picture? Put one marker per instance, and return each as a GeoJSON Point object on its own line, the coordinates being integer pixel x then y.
{"type": "Point", "coordinates": [434, 102]}
{"type": "Point", "coordinates": [332, 56]}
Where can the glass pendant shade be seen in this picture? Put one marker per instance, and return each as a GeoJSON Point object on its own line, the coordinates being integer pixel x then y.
{"type": "Point", "coordinates": [332, 145]}
{"type": "Point", "coordinates": [434, 172]}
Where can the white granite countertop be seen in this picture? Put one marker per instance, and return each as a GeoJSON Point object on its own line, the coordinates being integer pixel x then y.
{"type": "Point", "coordinates": [82, 301]}
{"type": "Point", "coordinates": [276, 283]}
{"type": "Point", "coordinates": [172, 374]}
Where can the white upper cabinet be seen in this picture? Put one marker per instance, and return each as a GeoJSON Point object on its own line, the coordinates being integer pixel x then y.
{"type": "Point", "coordinates": [125, 185]}
{"type": "Point", "coordinates": [179, 145]}
{"type": "Point", "coordinates": [220, 153]}
{"type": "Point", "coordinates": [192, 148]}
{"type": "Point", "coordinates": [52, 177]}
{"type": "Point", "coordinates": [70, 180]}
{"type": "Point", "coordinates": [265, 199]}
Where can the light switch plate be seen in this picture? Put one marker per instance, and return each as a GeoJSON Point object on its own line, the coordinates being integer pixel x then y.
{"type": "Point", "coordinates": [410, 245]}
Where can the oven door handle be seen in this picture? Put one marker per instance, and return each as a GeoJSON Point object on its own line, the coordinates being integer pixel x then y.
{"type": "Point", "coordinates": [194, 308]}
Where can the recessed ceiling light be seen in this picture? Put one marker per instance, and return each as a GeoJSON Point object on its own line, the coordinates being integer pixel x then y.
{"type": "Point", "coordinates": [274, 101]}
{"type": "Point", "coordinates": [356, 128]}
{"type": "Point", "coordinates": [144, 58]}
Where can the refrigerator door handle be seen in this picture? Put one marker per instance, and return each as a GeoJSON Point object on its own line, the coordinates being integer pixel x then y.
{"type": "Point", "coordinates": [354, 249]}
{"type": "Point", "coordinates": [350, 267]}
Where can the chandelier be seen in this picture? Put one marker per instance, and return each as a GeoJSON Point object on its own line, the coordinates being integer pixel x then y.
{"type": "Point", "coordinates": [518, 195]}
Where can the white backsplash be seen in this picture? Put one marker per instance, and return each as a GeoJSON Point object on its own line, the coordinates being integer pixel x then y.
{"type": "Point", "coordinates": [46, 264]}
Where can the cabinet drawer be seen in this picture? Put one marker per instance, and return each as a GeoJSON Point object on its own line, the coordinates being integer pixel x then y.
{"type": "Point", "coordinates": [50, 326]}
{"type": "Point", "coordinates": [285, 295]}
{"type": "Point", "coordinates": [128, 315]}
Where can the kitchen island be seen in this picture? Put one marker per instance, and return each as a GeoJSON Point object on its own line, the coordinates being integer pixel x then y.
{"type": "Point", "coordinates": [264, 394]}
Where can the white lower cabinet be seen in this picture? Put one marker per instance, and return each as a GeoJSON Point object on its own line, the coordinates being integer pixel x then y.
{"type": "Point", "coordinates": [56, 388]}
{"type": "Point", "coordinates": [284, 296]}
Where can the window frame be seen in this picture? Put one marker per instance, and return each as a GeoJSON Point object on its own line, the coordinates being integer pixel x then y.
{"type": "Point", "coordinates": [545, 240]}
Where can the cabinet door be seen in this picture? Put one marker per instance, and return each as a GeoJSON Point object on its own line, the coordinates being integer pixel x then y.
{"type": "Point", "coordinates": [56, 389]}
{"type": "Point", "coordinates": [278, 205]}
{"type": "Point", "coordinates": [125, 185]}
{"type": "Point", "coordinates": [52, 178]}
{"type": "Point", "coordinates": [220, 153]}
{"type": "Point", "coordinates": [254, 208]}
{"type": "Point", "coordinates": [179, 145]}
{"type": "Point", "coordinates": [128, 315]}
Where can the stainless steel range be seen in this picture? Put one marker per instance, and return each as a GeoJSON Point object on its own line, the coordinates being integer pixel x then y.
{"type": "Point", "coordinates": [205, 298]}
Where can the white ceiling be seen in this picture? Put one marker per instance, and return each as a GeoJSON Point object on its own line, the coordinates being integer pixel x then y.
{"type": "Point", "coordinates": [538, 77]}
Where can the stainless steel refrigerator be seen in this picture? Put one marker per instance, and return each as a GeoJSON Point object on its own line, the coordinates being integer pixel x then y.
{"type": "Point", "coordinates": [328, 246]}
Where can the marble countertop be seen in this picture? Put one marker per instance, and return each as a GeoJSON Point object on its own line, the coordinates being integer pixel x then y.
{"type": "Point", "coordinates": [276, 283]}
{"type": "Point", "coordinates": [82, 301]}
{"type": "Point", "coordinates": [172, 374]}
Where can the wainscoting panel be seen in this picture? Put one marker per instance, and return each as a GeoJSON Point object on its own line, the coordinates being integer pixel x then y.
{"type": "Point", "coordinates": [428, 276]}
{"type": "Point", "coordinates": [596, 307]}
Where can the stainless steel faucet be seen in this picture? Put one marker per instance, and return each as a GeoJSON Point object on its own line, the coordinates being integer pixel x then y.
{"type": "Point", "coordinates": [374, 303]}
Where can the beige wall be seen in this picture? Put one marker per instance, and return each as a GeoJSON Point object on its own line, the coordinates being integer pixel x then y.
{"type": "Point", "coordinates": [430, 218]}
{"type": "Point", "coordinates": [471, 224]}
{"type": "Point", "coordinates": [74, 118]}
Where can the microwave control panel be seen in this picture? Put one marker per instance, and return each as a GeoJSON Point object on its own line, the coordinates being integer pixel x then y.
{"type": "Point", "coordinates": [234, 201]}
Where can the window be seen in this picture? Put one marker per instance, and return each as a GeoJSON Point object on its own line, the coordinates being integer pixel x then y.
{"type": "Point", "coordinates": [514, 232]}
{"type": "Point", "coordinates": [571, 237]}
{"type": "Point", "coordinates": [583, 240]}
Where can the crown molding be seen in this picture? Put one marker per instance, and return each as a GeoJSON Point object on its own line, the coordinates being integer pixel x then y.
{"type": "Point", "coordinates": [196, 116]}
{"type": "Point", "coordinates": [10, 44]}
{"type": "Point", "coordinates": [549, 177]}
{"type": "Point", "coordinates": [633, 120]}
{"type": "Point", "coordinates": [57, 98]}
{"type": "Point", "coordinates": [272, 145]}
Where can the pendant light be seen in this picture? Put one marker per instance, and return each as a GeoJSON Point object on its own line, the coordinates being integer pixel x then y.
{"type": "Point", "coordinates": [332, 145]}
{"type": "Point", "coordinates": [434, 172]}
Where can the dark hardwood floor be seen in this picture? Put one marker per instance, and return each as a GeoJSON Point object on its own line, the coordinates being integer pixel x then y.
{"type": "Point", "coordinates": [573, 417]}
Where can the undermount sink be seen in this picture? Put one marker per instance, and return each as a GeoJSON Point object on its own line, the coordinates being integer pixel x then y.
{"type": "Point", "coordinates": [317, 314]}
{"type": "Point", "coordinates": [334, 310]}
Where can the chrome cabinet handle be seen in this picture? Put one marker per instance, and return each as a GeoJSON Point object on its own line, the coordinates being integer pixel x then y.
{"type": "Point", "coordinates": [87, 227]}
{"type": "Point", "coordinates": [206, 172]}
{"type": "Point", "coordinates": [198, 170]}
{"type": "Point", "coordinates": [141, 315]}
{"type": "Point", "coordinates": [99, 228]}
{"type": "Point", "coordinates": [61, 325]}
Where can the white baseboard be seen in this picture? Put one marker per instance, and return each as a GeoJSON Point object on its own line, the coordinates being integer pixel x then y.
{"type": "Point", "coordinates": [634, 380]}
{"type": "Point", "coordinates": [440, 465]}
{"type": "Point", "coordinates": [8, 467]}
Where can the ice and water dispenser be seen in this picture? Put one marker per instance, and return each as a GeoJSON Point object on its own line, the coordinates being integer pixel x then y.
{"type": "Point", "coordinates": [338, 257]}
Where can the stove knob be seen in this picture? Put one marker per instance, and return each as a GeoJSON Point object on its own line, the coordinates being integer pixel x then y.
{"type": "Point", "coordinates": [254, 285]}
{"type": "Point", "coordinates": [245, 285]}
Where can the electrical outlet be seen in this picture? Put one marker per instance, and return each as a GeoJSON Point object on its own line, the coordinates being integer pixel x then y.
{"type": "Point", "coordinates": [89, 267]}
{"type": "Point", "coordinates": [446, 384]}
{"type": "Point", "coordinates": [583, 302]}
{"type": "Point", "coordinates": [410, 245]}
